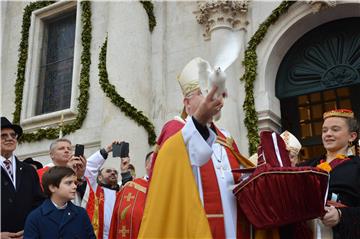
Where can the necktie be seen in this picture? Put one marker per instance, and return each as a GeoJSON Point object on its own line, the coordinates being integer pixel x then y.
{"type": "Point", "coordinates": [9, 168]}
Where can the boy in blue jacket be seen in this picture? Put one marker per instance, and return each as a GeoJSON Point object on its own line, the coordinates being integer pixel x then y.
{"type": "Point", "coordinates": [57, 217]}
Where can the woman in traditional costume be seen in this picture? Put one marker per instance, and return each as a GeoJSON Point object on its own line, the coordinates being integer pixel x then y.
{"type": "Point", "coordinates": [340, 134]}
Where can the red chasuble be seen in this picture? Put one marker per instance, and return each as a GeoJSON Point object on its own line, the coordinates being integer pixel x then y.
{"type": "Point", "coordinates": [211, 192]}
{"type": "Point", "coordinates": [129, 209]}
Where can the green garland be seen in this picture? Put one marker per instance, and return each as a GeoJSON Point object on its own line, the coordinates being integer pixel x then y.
{"type": "Point", "coordinates": [23, 53]}
{"type": "Point", "coordinates": [52, 133]}
{"type": "Point", "coordinates": [250, 63]}
{"type": "Point", "coordinates": [149, 8]}
{"type": "Point", "coordinates": [119, 101]}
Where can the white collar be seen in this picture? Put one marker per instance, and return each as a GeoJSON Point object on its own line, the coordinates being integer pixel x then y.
{"type": "Point", "coordinates": [11, 158]}
{"type": "Point", "coordinates": [59, 207]}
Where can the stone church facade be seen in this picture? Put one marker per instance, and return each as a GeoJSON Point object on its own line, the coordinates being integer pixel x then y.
{"type": "Point", "coordinates": [307, 61]}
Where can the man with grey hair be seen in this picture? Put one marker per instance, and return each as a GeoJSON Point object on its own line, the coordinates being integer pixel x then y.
{"type": "Point", "coordinates": [61, 154]}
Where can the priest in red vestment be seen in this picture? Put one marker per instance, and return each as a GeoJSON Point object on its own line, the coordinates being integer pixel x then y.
{"type": "Point", "coordinates": [212, 174]}
{"type": "Point", "coordinates": [129, 206]}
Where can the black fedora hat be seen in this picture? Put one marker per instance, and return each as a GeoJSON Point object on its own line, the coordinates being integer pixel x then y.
{"type": "Point", "coordinates": [6, 124]}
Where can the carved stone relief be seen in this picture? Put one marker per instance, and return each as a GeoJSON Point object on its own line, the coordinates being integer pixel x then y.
{"type": "Point", "coordinates": [222, 14]}
{"type": "Point", "coordinates": [321, 4]}
{"type": "Point", "coordinates": [333, 63]}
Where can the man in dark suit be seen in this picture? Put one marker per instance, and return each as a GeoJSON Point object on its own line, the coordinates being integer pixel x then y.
{"type": "Point", "coordinates": [20, 188]}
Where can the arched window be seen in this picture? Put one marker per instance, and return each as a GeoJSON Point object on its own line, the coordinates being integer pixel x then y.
{"type": "Point", "coordinates": [320, 72]}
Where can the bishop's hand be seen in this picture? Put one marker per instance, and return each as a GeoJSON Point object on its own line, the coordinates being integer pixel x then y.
{"type": "Point", "coordinates": [208, 107]}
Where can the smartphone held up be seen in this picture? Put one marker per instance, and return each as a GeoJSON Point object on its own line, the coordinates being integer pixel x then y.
{"type": "Point", "coordinates": [79, 150]}
{"type": "Point", "coordinates": [121, 150]}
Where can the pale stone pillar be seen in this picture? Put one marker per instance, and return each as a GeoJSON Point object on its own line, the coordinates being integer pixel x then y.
{"type": "Point", "coordinates": [129, 70]}
{"type": "Point", "coordinates": [225, 25]}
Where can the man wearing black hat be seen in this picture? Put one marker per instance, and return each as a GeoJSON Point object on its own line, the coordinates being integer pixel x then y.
{"type": "Point", "coordinates": [20, 188]}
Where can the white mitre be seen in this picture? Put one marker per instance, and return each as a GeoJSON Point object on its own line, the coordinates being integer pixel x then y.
{"type": "Point", "coordinates": [189, 76]}
{"type": "Point", "coordinates": [292, 143]}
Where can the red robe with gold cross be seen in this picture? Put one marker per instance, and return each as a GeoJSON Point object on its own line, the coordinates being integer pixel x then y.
{"type": "Point", "coordinates": [129, 209]}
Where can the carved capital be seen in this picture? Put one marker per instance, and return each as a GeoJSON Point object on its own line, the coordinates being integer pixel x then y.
{"type": "Point", "coordinates": [321, 4]}
{"type": "Point", "coordinates": [222, 14]}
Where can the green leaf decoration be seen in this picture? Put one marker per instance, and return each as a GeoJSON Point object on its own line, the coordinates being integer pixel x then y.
{"type": "Point", "coordinates": [149, 8]}
{"type": "Point", "coordinates": [53, 133]}
{"type": "Point", "coordinates": [23, 53]}
{"type": "Point", "coordinates": [250, 64]}
{"type": "Point", "coordinates": [119, 101]}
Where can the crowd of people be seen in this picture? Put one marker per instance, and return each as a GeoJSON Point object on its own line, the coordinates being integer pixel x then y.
{"type": "Point", "coordinates": [186, 192]}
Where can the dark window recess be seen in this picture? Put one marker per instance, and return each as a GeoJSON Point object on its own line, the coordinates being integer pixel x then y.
{"type": "Point", "coordinates": [54, 88]}
{"type": "Point", "coordinates": [320, 72]}
{"type": "Point", "coordinates": [302, 115]}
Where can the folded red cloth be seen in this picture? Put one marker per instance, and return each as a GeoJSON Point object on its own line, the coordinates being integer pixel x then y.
{"type": "Point", "coordinates": [272, 150]}
{"type": "Point", "coordinates": [276, 194]}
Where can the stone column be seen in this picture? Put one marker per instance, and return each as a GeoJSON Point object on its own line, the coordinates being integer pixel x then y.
{"type": "Point", "coordinates": [129, 70]}
{"type": "Point", "coordinates": [224, 24]}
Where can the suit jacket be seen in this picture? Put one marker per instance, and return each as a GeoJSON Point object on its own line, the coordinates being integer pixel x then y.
{"type": "Point", "coordinates": [17, 203]}
{"type": "Point", "coordinates": [49, 222]}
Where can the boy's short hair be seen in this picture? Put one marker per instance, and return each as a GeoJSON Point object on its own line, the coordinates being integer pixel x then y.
{"type": "Point", "coordinates": [53, 176]}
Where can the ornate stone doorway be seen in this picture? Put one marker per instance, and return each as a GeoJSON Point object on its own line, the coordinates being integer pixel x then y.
{"type": "Point", "coordinates": [321, 71]}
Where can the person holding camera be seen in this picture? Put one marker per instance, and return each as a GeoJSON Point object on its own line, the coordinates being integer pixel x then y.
{"type": "Point", "coordinates": [127, 171]}
{"type": "Point", "coordinates": [101, 187]}
{"type": "Point", "coordinates": [61, 154]}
